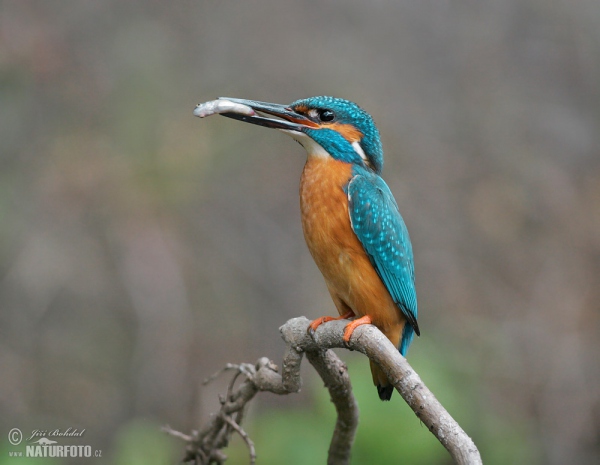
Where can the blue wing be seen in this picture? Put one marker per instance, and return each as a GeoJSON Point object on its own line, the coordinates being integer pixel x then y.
{"type": "Point", "coordinates": [380, 228]}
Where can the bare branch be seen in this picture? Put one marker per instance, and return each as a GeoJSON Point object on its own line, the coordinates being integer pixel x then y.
{"type": "Point", "coordinates": [205, 447]}
{"type": "Point", "coordinates": [167, 429]}
{"type": "Point", "coordinates": [245, 437]}
{"type": "Point", "coordinates": [335, 375]}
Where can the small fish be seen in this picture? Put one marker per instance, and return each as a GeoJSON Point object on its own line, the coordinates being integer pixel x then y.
{"type": "Point", "coordinates": [222, 106]}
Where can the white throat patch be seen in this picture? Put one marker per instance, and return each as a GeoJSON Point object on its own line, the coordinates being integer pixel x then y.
{"type": "Point", "coordinates": [313, 148]}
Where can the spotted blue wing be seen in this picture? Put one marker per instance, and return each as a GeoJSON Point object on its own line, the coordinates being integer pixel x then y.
{"type": "Point", "coordinates": [377, 223]}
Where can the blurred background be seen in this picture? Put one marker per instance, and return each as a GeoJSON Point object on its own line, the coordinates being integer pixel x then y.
{"type": "Point", "coordinates": [141, 248]}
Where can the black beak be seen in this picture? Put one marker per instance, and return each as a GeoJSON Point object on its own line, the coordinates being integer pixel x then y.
{"type": "Point", "coordinates": [288, 119]}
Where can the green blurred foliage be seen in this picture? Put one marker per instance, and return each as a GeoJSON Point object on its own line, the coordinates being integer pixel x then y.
{"type": "Point", "coordinates": [141, 442]}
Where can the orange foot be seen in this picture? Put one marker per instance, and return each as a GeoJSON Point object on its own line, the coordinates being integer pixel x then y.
{"type": "Point", "coordinates": [350, 327]}
{"type": "Point", "coordinates": [312, 327]}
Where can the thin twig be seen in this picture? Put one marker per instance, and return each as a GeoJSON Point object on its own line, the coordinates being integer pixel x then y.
{"type": "Point", "coordinates": [227, 367]}
{"type": "Point", "coordinates": [167, 429]}
{"type": "Point", "coordinates": [238, 429]}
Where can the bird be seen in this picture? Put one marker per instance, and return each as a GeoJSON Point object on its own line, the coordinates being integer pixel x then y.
{"type": "Point", "coordinates": [350, 218]}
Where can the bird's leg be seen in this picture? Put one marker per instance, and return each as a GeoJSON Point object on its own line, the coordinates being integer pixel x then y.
{"type": "Point", "coordinates": [350, 327]}
{"type": "Point", "coordinates": [312, 327]}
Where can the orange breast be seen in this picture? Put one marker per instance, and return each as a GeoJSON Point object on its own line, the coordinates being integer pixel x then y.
{"type": "Point", "coordinates": [350, 277]}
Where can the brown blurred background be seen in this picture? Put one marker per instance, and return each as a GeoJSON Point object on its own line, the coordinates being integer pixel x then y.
{"type": "Point", "coordinates": [142, 248]}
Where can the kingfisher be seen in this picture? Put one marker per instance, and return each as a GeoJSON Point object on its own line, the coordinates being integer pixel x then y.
{"type": "Point", "coordinates": [350, 219]}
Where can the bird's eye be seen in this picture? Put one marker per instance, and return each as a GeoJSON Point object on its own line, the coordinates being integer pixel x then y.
{"type": "Point", "coordinates": [326, 115]}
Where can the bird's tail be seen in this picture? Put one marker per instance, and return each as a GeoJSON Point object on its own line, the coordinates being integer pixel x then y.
{"type": "Point", "coordinates": [384, 388]}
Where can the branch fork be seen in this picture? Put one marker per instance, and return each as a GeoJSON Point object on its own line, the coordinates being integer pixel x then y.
{"type": "Point", "coordinates": [206, 446]}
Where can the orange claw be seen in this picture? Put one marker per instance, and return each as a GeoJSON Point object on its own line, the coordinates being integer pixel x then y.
{"type": "Point", "coordinates": [312, 327]}
{"type": "Point", "coordinates": [350, 327]}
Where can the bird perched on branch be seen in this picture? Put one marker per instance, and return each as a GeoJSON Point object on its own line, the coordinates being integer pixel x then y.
{"type": "Point", "coordinates": [351, 221]}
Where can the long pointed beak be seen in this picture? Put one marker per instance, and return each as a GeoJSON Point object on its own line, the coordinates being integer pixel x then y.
{"type": "Point", "coordinates": [287, 119]}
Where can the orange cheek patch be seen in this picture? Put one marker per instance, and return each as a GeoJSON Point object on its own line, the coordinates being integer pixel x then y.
{"type": "Point", "coordinates": [350, 133]}
{"type": "Point", "coordinates": [301, 109]}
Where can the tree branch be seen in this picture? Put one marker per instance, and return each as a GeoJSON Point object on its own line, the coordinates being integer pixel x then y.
{"type": "Point", "coordinates": [205, 447]}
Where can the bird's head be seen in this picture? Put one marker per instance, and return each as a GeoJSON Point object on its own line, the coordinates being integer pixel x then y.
{"type": "Point", "coordinates": [324, 126]}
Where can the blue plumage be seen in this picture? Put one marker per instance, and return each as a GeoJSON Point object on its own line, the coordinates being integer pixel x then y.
{"type": "Point", "coordinates": [334, 143]}
{"type": "Point", "coordinates": [380, 228]}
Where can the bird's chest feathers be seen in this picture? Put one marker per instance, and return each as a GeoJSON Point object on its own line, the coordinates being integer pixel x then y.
{"type": "Point", "coordinates": [325, 218]}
